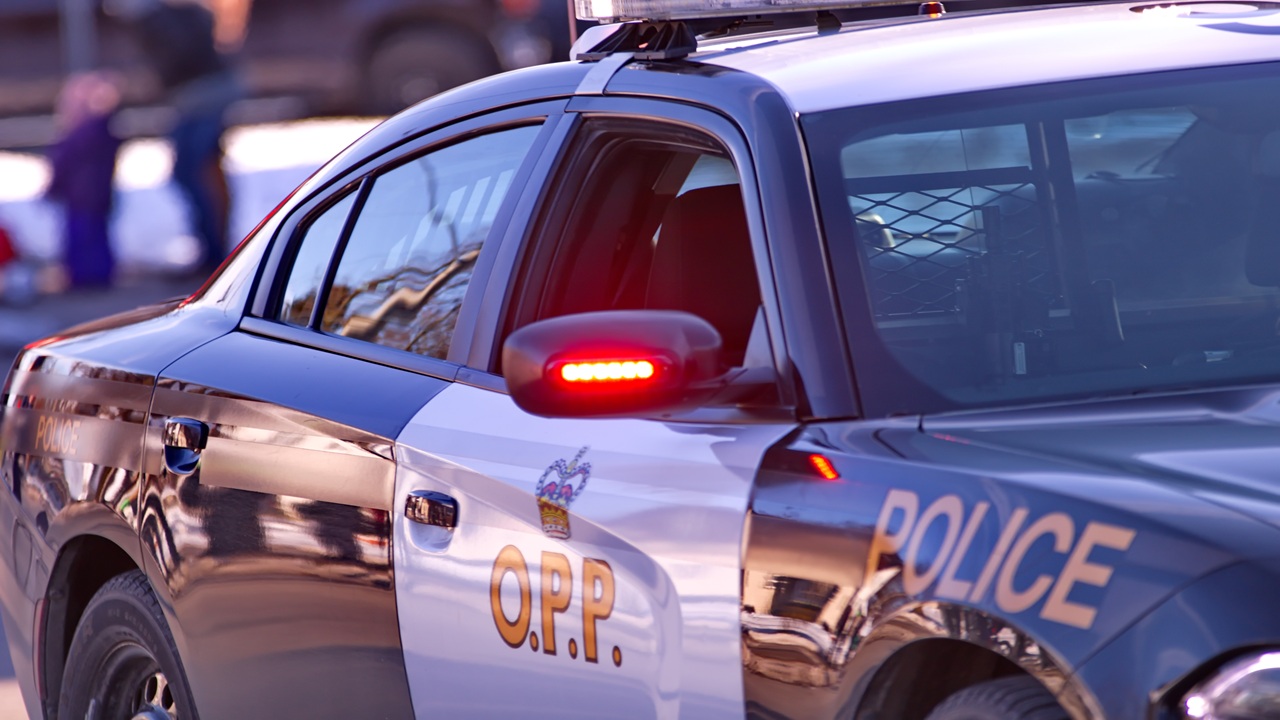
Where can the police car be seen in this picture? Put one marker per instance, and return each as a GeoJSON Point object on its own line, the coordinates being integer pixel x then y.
{"type": "Point", "coordinates": [919, 365]}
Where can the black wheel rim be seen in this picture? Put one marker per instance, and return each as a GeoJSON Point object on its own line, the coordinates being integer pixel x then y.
{"type": "Point", "coordinates": [131, 684]}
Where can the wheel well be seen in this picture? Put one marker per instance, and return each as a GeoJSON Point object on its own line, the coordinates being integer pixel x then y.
{"type": "Point", "coordinates": [924, 673]}
{"type": "Point", "coordinates": [84, 565]}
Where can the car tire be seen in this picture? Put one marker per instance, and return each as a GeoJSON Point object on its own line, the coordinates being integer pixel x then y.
{"type": "Point", "coordinates": [414, 64]}
{"type": "Point", "coordinates": [1018, 697]}
{"type": "Point", "coordinates": [123, 662]}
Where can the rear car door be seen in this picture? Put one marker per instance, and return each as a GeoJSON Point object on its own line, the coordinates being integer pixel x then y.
{"type": "Point", "coordinates": [586, 567]}
{"type": "Point", "coordinates": [270, 450]}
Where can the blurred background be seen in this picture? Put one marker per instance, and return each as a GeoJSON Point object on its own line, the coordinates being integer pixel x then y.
{"type": "Point", "coordinates": [310, 57]}
{"type": "Point", "coordinates": [315, 75]}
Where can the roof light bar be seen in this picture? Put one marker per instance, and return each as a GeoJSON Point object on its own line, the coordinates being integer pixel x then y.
{"type": "Point", "coordinates": [618, 10]}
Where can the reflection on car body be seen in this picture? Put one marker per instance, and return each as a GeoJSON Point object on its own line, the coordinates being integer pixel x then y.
{"type": "Point", "coordinates": [758, 372]}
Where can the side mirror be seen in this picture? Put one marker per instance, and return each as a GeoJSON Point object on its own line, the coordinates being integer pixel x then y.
{"type": "Point", "coordinates": [616, 363]}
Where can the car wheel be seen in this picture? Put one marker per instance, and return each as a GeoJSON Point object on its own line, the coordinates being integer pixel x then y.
{"type": "Point", "coordinates": [122, 662]}
{"type": "Point", "coordinates": [411, 65]}
{"type": "Point", "coordinates": [1018, 697]}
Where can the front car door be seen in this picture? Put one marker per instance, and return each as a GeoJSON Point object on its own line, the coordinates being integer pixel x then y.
{"type": "Point", "coordinates": [595, 565]}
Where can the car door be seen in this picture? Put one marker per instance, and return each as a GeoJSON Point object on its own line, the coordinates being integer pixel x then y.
{"type": "Point", "coordinates": [271, 448]}
{"type": "Point", "coordinates": [591, 568]}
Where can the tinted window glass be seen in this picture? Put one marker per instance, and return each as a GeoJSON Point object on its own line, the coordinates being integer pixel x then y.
{"type": "Point", "coordinates": [405, 269]}
{"type": "Point", "coordinates": [309, 266]}
{"type": "Point", "coordinates": [658, 225]}
{"type": "Point", "coordinates": [1091, 238]}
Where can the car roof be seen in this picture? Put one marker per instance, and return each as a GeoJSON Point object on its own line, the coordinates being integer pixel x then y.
{"type": "Point", "coordinates": [961, 52]}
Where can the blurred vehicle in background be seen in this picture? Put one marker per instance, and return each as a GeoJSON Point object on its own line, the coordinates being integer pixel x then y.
{"type": "Point", "coordinates": [361, 56]}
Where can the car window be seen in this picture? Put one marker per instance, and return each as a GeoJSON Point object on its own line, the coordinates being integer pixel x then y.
{"type": "Point", "coordinates": [412, 246]}
{"type": "Point", "coordinates": [1105, 236]}
{"type": "Point", "coordinates": [648, 222]}
{"type": "Point", "coordinates": [312, 260]}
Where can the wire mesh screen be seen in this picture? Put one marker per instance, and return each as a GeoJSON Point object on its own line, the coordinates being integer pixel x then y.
{"type": "Point", "coordinates": [926, 236]}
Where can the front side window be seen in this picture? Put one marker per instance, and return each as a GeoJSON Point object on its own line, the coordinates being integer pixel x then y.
{"type": "Point", "coordinates": [1092, 238]}
{"type": "Point", "coordinates": [648, 218]}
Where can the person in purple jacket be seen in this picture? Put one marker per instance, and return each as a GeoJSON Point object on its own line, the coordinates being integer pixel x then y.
{"type": "Point", "coordinates": [201, 83]}
{"type": "Point", "coordinates": [84, 164]}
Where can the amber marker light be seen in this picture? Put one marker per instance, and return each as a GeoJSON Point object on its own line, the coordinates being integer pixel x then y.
{"type": "Point", "coordinates": [609, 371]}
{"type": "Point", "coordinates": [824, 467]}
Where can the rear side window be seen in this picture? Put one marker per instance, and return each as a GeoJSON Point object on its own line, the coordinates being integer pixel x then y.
{"type": "Point", "coordinates": [319, 239]}
{"type": "Point", "coordinates": [405, 257]}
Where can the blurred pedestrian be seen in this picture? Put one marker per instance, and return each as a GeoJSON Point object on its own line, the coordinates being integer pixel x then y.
{"type": "Point", "coordinates": [200, 82]}
{"type": "Point", "coordinates": [84, 164]}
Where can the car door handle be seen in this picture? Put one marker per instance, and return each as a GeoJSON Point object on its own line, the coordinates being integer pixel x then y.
{"type": "Point", "coordinates": [431, 508]}
{"type": "Point", "coordinates": [184, 442]}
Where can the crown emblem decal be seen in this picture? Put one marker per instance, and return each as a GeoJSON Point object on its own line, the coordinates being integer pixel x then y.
{"type": "Point", "coordinates": [555, 494]}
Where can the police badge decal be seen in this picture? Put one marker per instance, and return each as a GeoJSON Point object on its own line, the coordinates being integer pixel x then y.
{"type": "Point", "coordinates": [556, 494]}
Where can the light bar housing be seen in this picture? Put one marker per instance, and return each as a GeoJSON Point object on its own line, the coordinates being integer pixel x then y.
{"type": "Point", "coordinates": [608, 11]}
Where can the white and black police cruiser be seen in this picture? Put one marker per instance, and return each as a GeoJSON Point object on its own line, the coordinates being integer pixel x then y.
{"type": "Point", "coordinates": [844, 363]}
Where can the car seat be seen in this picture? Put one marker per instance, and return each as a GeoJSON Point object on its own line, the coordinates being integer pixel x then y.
{"type": "Point", "coordinates": [702, 264]}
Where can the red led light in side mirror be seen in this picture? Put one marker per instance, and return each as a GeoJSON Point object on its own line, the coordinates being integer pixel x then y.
{"type": "Point", "coordinates": [824, 467]}
{"type": "Point", "coordinates": [607, 371]}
